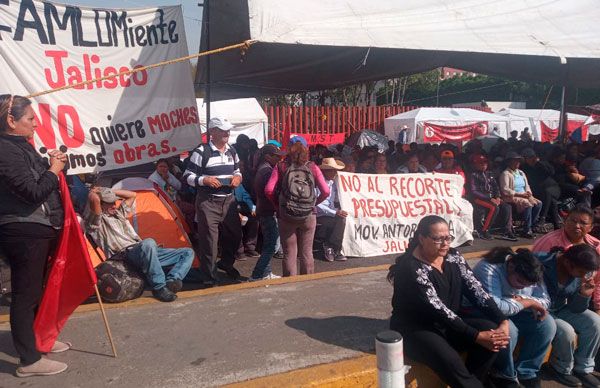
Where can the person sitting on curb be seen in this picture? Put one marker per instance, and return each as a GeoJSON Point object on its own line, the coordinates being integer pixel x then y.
{"type": "Point", "coordinates": [576, 230]}
{"type": "Point", "coordinates": [108, 226]}
{"type": "Point", "coordinates": [331, 220]}
{"type": "Point", "coordinates": [569, 279]}
{"type": "Point", "coordinates": [514, 280]}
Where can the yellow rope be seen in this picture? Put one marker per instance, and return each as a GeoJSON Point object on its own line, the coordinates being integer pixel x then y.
{"type": "Point", "coordinates": [244, 46]}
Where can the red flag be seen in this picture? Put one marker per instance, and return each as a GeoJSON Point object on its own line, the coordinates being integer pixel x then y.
{"type": "Point", "coordinates": [71, 281]}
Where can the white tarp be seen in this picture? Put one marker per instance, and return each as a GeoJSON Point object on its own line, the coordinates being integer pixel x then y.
{"type": "Point", "coordinates": [451, 117]}
{"type": "Point", "coordinates": [314, 45]}
{"type": "Point", "coordinates": [531, 118]}
{"type": "Point", "coordinates": [245, 114]}
{"type": "Point", "coordinates": [384, 210]}
{"type": "Point", "coordinates": [121, 121]}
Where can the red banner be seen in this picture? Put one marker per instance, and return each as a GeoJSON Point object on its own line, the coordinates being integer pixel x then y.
{"type": "Point", "coordinates": [434, 133]}
{"type": "Point", "coordinates": [550, 134]}
{"type": "Point", "coordinates": [322, 138]}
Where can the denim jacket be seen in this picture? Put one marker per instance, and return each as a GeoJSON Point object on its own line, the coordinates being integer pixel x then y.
{"type": "Point", "coordinates": [562, 296]}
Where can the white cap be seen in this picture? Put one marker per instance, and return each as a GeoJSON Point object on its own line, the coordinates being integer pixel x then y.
{"type": "Point", "coordinates": [221, 123]}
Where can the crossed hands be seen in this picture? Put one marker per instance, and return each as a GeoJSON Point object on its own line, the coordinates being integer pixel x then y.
{"type": "Point", "coordinates": [494, 339]}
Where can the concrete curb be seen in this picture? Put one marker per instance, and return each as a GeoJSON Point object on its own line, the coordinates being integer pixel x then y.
{"type": "Point", "coordinates": [4, 318]}
{"type": "Point", "coordinates": [355, 372]}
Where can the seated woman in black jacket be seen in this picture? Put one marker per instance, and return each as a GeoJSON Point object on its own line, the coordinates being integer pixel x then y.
{"type": "Point", "coordinates": [430, 280]}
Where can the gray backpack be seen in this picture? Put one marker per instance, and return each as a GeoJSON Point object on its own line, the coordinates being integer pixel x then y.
{"type": "Point", "coordinates": [297, 192]}
{"type": "Point", "coordinates": [119, 281]}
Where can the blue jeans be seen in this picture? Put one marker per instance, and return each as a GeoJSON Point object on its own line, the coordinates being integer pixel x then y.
{"type": "Point", "coordinates": [536, 337]}
{"type": "Point", "coordinates": [150, 258]}
{"type": "Point", "coordinates": [582, 329]}
{"type": "Point", "coordinates": [531, 215]}
{"type": "Point", "coordinates": [270, 235]}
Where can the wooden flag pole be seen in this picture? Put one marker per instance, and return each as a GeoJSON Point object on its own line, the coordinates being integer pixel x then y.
{"type": "Point", "coordinates": [110, 338]}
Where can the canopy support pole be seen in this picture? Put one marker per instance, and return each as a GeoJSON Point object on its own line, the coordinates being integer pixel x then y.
{"type": "Point", "coordinates": [207, 96]}
{"type": "Point", "coordinates": [562, 136]}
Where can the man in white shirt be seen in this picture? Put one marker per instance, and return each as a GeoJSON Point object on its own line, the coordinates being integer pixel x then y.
{"type": "Point", "coordinates": [331, 221]}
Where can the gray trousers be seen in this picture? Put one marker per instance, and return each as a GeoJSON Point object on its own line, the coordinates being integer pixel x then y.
{"type": "Point", "coordinates": [217, 218]}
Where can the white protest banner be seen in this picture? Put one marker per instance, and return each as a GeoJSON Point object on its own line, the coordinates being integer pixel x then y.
{"type": "Point", "coordinates": [384, 210]}
{"type": "Point", "coordinates": [121, 121]}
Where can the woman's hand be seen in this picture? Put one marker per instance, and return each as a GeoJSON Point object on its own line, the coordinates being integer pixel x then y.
{"type": "Point", "coordinates": [492, 340]}
{"type": "Point", "coordinates": [57, 161]}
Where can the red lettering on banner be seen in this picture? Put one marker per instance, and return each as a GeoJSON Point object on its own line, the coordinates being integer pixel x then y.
{"type": "Point", "coordinates": [176, 118]}
{"type": "Point", "coordinates": [377, 185]}
{"type": "Point", "coordinates": [67, 117]}
{"type": "Point", "coordinates": [370, 184]}
{"type": "Point", "coordinates": [322, 138]}
{"type": "Point", "coordinates": [395, 246]}
{"type": "Point", "coordinates": [69, 113]}
{"type": "Point", "coordinates": [44, 128]}
{"type": "Point", "coordinates": [131, 153]}
{"type": "Point", "coordinates": [393, 182]}
{"type": "Point", "coordinates": [56, 77]}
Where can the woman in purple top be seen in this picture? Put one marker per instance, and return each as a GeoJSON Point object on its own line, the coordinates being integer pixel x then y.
{"type": "Point", "coordinates": [291, 190]}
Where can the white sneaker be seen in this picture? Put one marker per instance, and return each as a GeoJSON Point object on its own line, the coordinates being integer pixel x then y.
{"type": "Point", "coordinates": [43, 367]}
{"type": "Point", "coordinates": [272, 276]}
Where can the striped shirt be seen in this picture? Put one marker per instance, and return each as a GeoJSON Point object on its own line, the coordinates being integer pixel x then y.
{"type": "Point", "coordinates": [222, 165]}
{"type": "Point", "coordinates": [113, 233]}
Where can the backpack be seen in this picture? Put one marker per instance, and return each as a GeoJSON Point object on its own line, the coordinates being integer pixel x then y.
{"type": "Point", "coordinates": [297, 192]}
{"type": "Point", "coordinates": [119, 281]}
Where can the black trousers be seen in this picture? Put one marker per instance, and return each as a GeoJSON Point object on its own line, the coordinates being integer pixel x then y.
{"type": "Point", "coordinates": [217, 217]}
{"type": "Point", "coordinates": [330, 230]}
{"type": "Point", "coordinates": [440, 352]}
{"type": "Point", "coordinates": [486, 214]}
{"type": "Point", "coordinates": [27, 247]}
{"type": "Point", "coordinates": [549, 197]}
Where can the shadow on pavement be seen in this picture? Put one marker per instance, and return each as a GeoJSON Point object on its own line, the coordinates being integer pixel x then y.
{"type": "Point", "coordinates": [7, 349]}
{"type": "Point", "coordinates": [350, 332]}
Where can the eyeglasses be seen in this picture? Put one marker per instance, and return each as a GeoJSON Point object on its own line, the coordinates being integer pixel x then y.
{"type": "Point", "coordinates": [442, 239]}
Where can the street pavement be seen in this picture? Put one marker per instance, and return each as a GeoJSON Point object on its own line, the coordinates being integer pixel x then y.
{"type": "Point", "coordinates": [217, 339]}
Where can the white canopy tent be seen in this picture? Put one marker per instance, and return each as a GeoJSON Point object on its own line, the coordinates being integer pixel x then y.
{"type": "Point", "coordinates": [416, 119]}
{"type": "Point", "coordinates": [245, 114]}
{"type": "Point", "coordinates": [308, 45]}
{"type": "Point", "coordinates": [520, 119]}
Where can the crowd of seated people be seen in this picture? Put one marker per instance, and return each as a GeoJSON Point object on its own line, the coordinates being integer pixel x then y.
{"type": "Point", "coordinates": [518, 315]}
{"type": "Point", "coordinates": [517, 188]}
